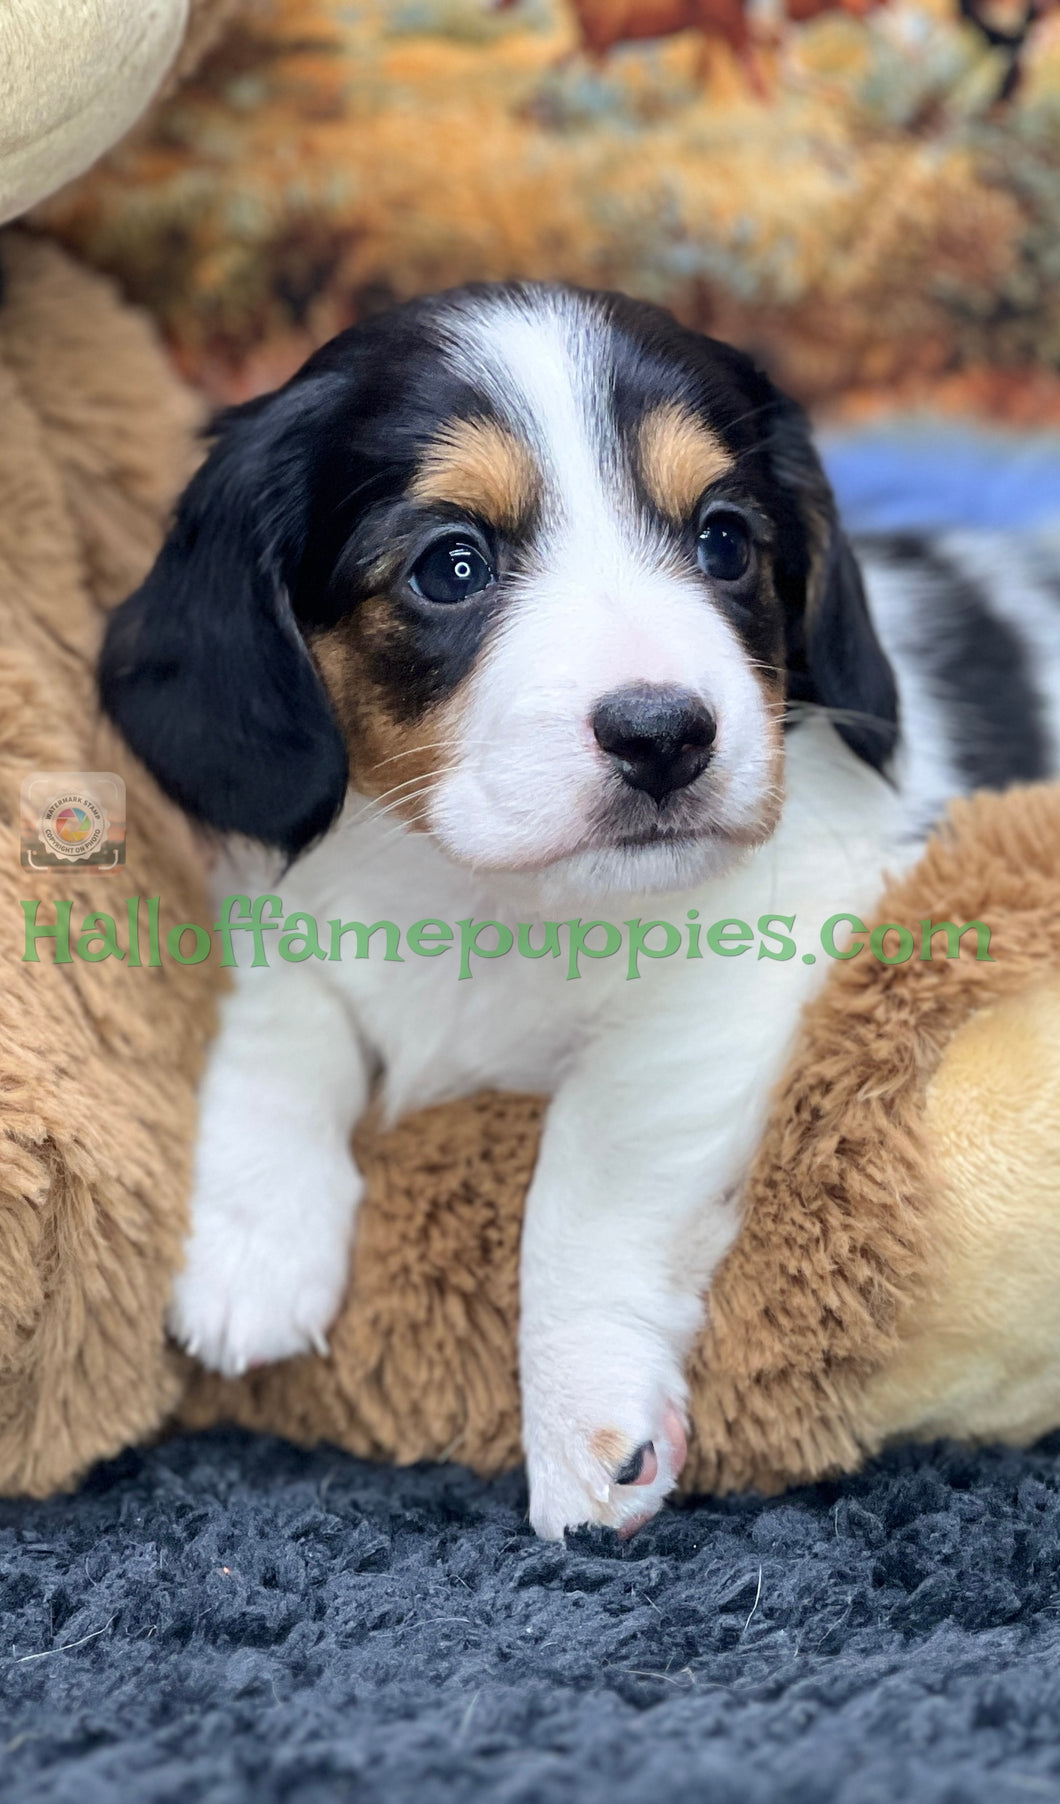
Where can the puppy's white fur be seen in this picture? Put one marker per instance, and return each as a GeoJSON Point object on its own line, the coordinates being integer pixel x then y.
{"type": "Point", "coordinates": [604, 605]}
{"type": "Point", "coordinates": [660, 1086]}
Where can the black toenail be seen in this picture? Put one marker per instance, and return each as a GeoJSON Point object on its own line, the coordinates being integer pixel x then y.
{"type": "Point", "coordinates": [634, 1466]}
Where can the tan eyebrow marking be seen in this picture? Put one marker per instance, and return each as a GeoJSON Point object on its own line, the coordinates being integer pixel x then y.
{"type": "Point", "coordinates": [477, 465]}
{"type": "Point", "coordinates": [679, 458]}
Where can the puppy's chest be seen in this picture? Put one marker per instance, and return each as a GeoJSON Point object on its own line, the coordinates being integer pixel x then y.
{"type": "Point", "coordinates": [483, 1011]}
{"type": "Point", "coordinates": [447, 1025]}
{"type": "Point", "coordinates": [436, 1040]}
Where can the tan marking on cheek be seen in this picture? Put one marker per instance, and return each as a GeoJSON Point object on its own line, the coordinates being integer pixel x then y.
{"type": "Point", "coordinates": [476, 465]}
{"type": "Point", "coordinates": [393, 761]}
{"type": "Point", "coordinates": [679, 458]}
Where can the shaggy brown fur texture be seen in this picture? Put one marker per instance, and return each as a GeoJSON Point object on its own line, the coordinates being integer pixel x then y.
{"type": "Point", "coordinates": [97, 1062]}
{"type": "Point", "coordinates": [851, 1202]}
{"type": "Point", "coordinates": [848, 1221]}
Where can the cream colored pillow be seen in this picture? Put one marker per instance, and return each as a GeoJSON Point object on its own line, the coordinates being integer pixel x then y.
{"type": "Point", "coordinates": [74, 76]}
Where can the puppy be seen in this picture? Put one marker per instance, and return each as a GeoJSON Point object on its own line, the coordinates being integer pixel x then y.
{"type": "Point", "coordinates": [526, 604]}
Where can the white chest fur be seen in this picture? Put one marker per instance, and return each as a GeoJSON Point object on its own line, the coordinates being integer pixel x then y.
{"type": "Point", "coordinates": [660, 1086]}
{"type": "Point", "coordinates": [516, 1021]}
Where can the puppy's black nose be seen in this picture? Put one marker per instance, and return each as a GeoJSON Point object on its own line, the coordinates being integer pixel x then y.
{"type": "Point", "coordinates": [660, 738]}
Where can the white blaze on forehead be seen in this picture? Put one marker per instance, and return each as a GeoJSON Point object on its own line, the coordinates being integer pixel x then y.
{"type": "Point", "coordinates": [545, 362]}
{"type": "Point", "coordinates": [605, 584]}
{"type": "Point", "coordinates": [606, 600]}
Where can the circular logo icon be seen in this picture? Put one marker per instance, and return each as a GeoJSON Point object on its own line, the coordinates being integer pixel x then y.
{"type": "Point", "coordinates": [73, 826]}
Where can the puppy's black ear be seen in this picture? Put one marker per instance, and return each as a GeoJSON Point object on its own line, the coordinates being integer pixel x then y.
{"type": "Point", "coordinates": [834, 655]}
{"type": "Point", "coordinates": [204, 669]}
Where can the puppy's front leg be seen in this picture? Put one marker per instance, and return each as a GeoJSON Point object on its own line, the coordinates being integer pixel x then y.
{"type": "Point", "coordinates": [633, 1204]}
{"type": "Point", "coordinates": [276, 1188]}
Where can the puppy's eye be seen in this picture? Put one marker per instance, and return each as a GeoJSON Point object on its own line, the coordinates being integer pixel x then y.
{"type": "Point", "coordinates": [451, 570]}
{"type": "Point", "coordinates": [724, 547]}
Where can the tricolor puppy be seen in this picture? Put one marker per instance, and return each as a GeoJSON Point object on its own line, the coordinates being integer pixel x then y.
{"type": "Point", "coordinates": [525, 603]}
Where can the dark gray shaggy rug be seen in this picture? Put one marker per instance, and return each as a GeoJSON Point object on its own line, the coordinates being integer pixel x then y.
{"type": "Point", "coordinates": [224, 1620]}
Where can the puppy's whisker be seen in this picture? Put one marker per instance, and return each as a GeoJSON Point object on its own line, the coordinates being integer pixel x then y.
{"type": "Point", "coordinates": [400, 828]}
{"type": "Point", "coordinates": [374, 805]}
{"type": "Point", "coordinates": [400, 796]}
{"type": "Point", "coordinates": [795, 708]}
{"type": "Point", "coordinates": [393, 815]}
{"type": "Point", "coordinates": [381, 812]}
{"type": "Point", "coordinates": [413, 751]}
{"type": "Point", "coordinates": [455, 743]}
{"type": "Point", "coordinates": [395, 789]}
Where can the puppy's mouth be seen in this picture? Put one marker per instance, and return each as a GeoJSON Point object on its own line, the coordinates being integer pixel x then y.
{"type": "Point", "coordinates": [660, 835]}
{"type": "Point", "coordinates": [632, 820]}
{"type": "Point", "coordinates": [684, 832]}
{"type": "Point", "coordinates": [622, 836]}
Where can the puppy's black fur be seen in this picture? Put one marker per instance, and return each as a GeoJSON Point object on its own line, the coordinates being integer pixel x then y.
{"type": "Point", "coordinates": [206, 671]}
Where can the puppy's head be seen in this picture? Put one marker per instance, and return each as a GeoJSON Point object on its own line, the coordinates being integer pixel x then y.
{"type": "Point", "coordinates": [538, 569]}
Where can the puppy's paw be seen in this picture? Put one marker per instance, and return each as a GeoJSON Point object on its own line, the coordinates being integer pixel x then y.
{"type": "Point", "coordinates": [267, 1262]}
{"type": "Point", "coordinates": [605, 1478]}
{"type": "Point", "coordinates": [605, 1447]}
